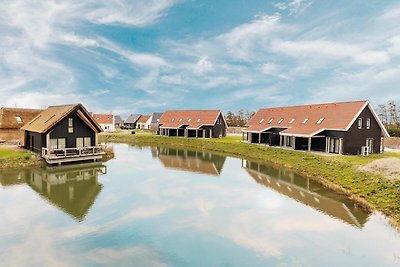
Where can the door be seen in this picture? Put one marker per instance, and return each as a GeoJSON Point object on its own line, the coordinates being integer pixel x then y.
{"type": "Point", "coordinates": [370, 145]}
{"type": "Point", "coordinates": [334, 145]}
{"type": "Point", "coordinates": [32, 143]}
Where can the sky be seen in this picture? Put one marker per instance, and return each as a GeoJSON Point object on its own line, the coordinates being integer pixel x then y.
{"type": "Point", "coordinates": [143, 56]}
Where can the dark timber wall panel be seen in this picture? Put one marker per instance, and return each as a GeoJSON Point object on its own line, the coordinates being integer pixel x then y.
{"type": "Point", "coordinates": [80, 130]}
{"type": "Point", "coordinates": [355, 138]}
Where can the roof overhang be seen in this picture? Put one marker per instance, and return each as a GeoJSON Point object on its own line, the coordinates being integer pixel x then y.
{"type": "Point", "coordinates": [254, 131]}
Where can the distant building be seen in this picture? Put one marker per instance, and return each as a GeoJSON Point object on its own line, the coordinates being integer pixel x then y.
{"type": "Point", "coordinates": [106, 121]}
{"type": "Point", "coordinates": [340, 128]}
{"type": "Point", "coordinates": [118, 122]}
{"type": "Point", "coordinates": [131, 121]}
{"type": "Point", "coordinates": [144, 122]}
{"type": "Point", "coordinates": [155, 119]}
{"type": "Point", "coordinates": [193, 123]}
{"type": "Point", "coordinates": [63, 134]}
{"type": "Point", "coordinates": [11, 121]}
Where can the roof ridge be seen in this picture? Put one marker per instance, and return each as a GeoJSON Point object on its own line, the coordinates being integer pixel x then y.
{"type": "Point", "coordinates": [318, 104]}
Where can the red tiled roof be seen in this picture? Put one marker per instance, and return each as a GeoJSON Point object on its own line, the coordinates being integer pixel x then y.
{"type": "Point", "coordinates": [194, 119]}
{"type": "Point", "coordinates": [335, 116]}
{"type": "Point", "coordinates": [103, 118]}
{"type": "Point", "coordinates": [143, 119]}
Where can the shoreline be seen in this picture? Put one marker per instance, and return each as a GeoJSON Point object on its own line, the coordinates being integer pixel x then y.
{"type": "Point", "coordinates": [339, 173]}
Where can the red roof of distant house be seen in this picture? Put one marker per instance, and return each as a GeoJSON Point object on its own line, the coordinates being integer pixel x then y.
{"type": "Point", "coordinates": [143, 119]}
{"type": "Point", "coordinates": [103, 118]}
{"type": "Point", "coordinates": [309, 120]}
{"type": "Point", "coordinates": [193, 119]}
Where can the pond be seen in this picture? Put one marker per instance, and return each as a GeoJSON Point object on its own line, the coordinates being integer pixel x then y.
{"type": "Point", "coordinates": [154, 206]}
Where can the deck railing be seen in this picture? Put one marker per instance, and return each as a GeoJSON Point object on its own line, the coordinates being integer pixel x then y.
{"type": "Point", "coordinates": [74, 152]}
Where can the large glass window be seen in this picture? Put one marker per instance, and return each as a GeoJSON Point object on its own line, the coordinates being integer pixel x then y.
{"type": "Point", "coordinates": [57, 143]}
{"type": "Point", "coordinates": [360, 123]}
{"type": "Point", "coordinates": [334, 145]}
{"type": "Point", "coordinates": [83, 142]}
{"type": "Point", "coordinates": [370, 145]}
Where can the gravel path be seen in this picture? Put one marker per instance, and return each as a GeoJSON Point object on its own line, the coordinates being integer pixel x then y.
{"type": "Point", "coordinates": [390, 167]}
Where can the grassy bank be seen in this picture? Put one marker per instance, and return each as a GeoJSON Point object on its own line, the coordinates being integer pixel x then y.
{"type": "Point", "coordinates": [15, 158]}
{"type": "Point", "coordinates": [340, 173]}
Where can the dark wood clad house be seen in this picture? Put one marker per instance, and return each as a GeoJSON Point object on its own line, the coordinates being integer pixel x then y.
{"type": "Point", "coordinates": [341, 128]}
{"type": "Point", "coordinates": [11, 121]}
{"type": "Point", "coordinates": [193, 123]}
{"type": "Point", "coordinates": [63, 134]}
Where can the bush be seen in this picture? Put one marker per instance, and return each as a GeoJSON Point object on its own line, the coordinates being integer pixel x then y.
{"type": "Point", "coordinates": [393, 132]}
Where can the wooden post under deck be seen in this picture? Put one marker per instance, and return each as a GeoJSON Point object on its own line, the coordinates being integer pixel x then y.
{"type": "Point", "coordinates": [309, 144]}
{"type": "Point", "coordinates": [259, 138]}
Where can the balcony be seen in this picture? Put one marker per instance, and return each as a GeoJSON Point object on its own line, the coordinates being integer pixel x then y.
{"type": "Point", "coordinates": [58, 156]}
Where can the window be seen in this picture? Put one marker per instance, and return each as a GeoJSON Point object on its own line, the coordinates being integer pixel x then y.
{"type": "Point", "coordinates": [280, 121]}
{"type": "Point", "coordinates": [57, 143]}
{"type": "Point", "coordinates": [198, 120]}
{"type": "Point", "coordinates": [173, 119]}
{"type": "Point", "coordinates": [18, 118]}
{"type": "Point", "coordinates": [320, 120]}
{"type": "Point", "coordinates": [70, 125]}
{"type": "Point", "coordinates": [291, 121]}
{"type": "Point", "coordinates": [288, 140]}
{"type": "Point", "coordinates": [269, 122]}
{"type": "Point", "coordinates": [180, 119]}
{"type": "Point", "coordinates": [189, 119]}
{"type": "Point", "coordinates": [261, 120]}
{"type": "Point", "coordinates": [360, 123]}
{"type": "Point", "coordinates": [334, 145]}
{"type": "Point", "coordinates": [368, 123]}
{"type": "Point", "coordinates": [304, 121]}
{"type": "Point", "coordinates": [83, 142]}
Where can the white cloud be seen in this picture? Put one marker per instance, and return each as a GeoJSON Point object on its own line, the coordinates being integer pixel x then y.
{"type": "Point", "coordinates": [394, 45]}
{"type": "Point", "coordinates": [132, 13]}
{"type": "Point", "coordinates": [247, 40]}
{"type": "Point", "coordinates": [330, 50]}
{"type": "Point", "coordinates": [204, 65]}
{"type": "Point", "coordinates": [141, 255]}
{"type": "Point", "coordinates": [31, 30]}
{"type": "Point", "coordinates": [294, 6]}
{"type": "Point", "coordinates": [78, 40]}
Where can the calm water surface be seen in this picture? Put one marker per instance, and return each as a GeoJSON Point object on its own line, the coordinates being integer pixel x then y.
{"type": "Point", "coordinates": [168, 207]}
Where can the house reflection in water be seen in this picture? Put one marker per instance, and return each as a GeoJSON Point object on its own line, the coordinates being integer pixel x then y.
{"type": "Point", "coordinates": [187, 160]}
{"type": "Point", "coordinates": [71, 188]}
{"type": "Point", "coordinates": [308, 192]}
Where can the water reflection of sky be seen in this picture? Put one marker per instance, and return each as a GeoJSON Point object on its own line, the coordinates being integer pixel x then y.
{"type": "Point", "coordinates": [149, 215]}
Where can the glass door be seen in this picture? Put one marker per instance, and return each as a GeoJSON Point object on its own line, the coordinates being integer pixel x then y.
{"type": "Point", "coordinates": [370, 145]}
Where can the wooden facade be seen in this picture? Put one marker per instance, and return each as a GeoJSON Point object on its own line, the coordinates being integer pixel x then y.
{"type": "Point", "coordinates": [193, 124]}
{"type": "Point", "coordinates": [341, 128]}
{"type": "Point", "coordinates": [64, 134]}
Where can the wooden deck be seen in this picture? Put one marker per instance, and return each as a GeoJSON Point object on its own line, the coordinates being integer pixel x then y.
{"type": "Point", "coordinates": [58, 156]}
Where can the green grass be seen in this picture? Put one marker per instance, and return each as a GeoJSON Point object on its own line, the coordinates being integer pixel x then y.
{"type": "Point", "coordinates": [10, 158]}
{"type": "Point", "coordinates": [340, 173]}
{"type": "Point", "coordinates": [8, 153]}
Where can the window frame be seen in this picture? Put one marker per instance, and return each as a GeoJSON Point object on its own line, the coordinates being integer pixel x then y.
{"type": "Point", "coordinates": [70, 125]}
{"type": "Point", "coordinates": [360, 123]}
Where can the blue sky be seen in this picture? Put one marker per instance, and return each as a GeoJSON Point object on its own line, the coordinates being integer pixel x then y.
{"type": "Point", "coordinates": [142, 56]}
